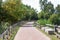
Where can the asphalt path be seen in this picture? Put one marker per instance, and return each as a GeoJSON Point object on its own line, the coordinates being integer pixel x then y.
{"type": "Point", "coordinates": [28, 32]}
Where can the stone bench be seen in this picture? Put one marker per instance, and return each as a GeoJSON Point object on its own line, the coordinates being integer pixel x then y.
{"type": "Point", "coordinates": [49, 31]}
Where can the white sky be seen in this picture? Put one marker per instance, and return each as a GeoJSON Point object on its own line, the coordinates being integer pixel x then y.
{"type": "Point", "coordinates": [35, 3]}
{"type": "Point", "coordinates": [55, 2]}
{"type": "Point", "coordinates": [32, 3]}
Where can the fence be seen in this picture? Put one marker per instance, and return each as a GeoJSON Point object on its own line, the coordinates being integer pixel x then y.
{"type": "Point", "coordinates": [6, 34]}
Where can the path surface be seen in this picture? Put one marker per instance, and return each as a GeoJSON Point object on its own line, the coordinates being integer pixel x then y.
{"type": "Point", "coordinates": [30, 33]}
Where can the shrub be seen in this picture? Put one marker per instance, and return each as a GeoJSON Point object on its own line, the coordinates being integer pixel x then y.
{"type": "Point", "coordinates": [3, 26]}
{"type": "Point", "coordinates": [55, 19]}
{"type": "Point", "coordinates": [44, 22]}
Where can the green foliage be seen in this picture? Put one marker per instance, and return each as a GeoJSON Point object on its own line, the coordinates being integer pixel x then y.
{"type": "Point", "coordinates": [43, 4]}
{"type": "Point", "coordinates": [49, 13]}
{"type": "Point", "coordinates": [46, 15]}
{"type": "Point", "coordinates": [44, 22]}
{"type": "Point", "coordinates": [3, 26]}
{"type": "Point", "coordinates": [11, 13]}
{"type": "Point", "coordinates": [55, 19]}
{"type": "Point", "coordinates": [0, 2]}
{"type": "Point", "coordinates": [41, 15]}
{"type": "Point", "coordinates": [14, 31]}
{"type": "Point", "coordinates": [58, 9]}
{"type": "Point", "coordinates": [49, 8]}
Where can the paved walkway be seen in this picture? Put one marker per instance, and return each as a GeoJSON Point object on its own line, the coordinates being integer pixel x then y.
{"type": "Point", "coordinates": [30, 33]}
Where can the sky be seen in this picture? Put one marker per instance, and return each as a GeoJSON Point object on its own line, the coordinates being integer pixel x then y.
{"type": "Point", "coordinates": [55, 2]}
{"type": "Point", "coordinates": [35, 3]}
{"type": "Point", "coordinates": [32, 3]}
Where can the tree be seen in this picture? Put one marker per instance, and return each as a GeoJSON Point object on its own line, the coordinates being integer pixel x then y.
{"type": "Point", "coordinates": [10, 11]}
{"type": "Point", "coordinates": [48, 12]}
{"type": "Point", "coordinates": [58, 9]}
{"type": "Point", "coordinates": [55, 19]}
{"type": "Point", "coordinates": [43, 4]}
{"type": "Point", "coordinates": [14, 10]}
{"type": "Point", "coordinates": [41, 15]}
{"type": "Point", "coordinates": [49, 8]}
{"type": "Point", "coordinates": [29, 13]}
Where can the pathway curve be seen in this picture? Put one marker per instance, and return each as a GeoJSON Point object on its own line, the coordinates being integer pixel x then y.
{"type": "Point", "coordinates": [27, 32]}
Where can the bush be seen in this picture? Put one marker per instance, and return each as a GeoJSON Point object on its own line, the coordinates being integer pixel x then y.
{"type": "Point", "coordinates": [44, 22]}
{"type": "Point", "coordinates": [55, 19]}
{"type": "Point", "coordinates": [3, 26]}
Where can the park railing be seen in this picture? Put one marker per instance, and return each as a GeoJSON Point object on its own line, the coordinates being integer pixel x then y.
{"type": "Point", "coordinates": [7, 33]}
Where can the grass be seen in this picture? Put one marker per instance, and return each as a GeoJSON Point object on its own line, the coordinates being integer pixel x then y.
{"type": "Point", "coordinates": [14, 31]}
{"type": "Point", "coordinates": [52, 37]}
{"type": "Point", "coordinates": [0, 39]}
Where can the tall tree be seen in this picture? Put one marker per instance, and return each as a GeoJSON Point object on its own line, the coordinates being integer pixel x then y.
{"type": "Point", "coordinates": [49, 8]}
{"type": "Point", "coordinates": [10, 8]}
{"type": "Point", "coordinates": [58, 9]}
{"type": "Point", "coordinates": [17, 11]}
{"type": "Point", "coordinates": [43, 4]}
